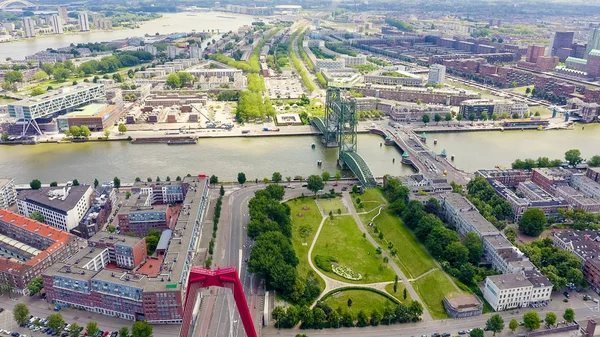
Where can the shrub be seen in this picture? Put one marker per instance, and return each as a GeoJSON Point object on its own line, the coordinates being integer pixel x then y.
{"type": "Point", "coordinates": [324, 262]}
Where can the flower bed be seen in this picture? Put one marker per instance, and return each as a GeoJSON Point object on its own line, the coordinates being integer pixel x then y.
{"type": "Point", "coordinates": [345, 272]}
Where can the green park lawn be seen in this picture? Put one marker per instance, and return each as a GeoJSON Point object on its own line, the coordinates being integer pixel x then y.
{"type": "Point", "coordinates": [305, 222]}
{"type": "Point", "coordinates": [399, 294]}
{"type": "Point", "coordinates": [371, 199]}
{"type": "Point", "coordinates": [412, 257]}
{"type": "Point", "coordinates": [332, 205]}
{"type": "Point", "coordinates": [361, 300]}
{"type": "Point", "coordinates": [432, 288]}
{"type": "Point", "coordinates": [341, 239]}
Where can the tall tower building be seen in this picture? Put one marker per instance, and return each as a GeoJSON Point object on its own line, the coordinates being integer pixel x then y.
{"type": "Point", "coordinates": [56, 23]}
{"type": "Point", "coordinates": [593, 41]}
{"type": "Point", "coordinates": [437, 74]}
{"type": "Point", "coordinates": [84, 23]}
{"type": "Point", "coordinates": [28, 27]}
{"type": "Point", "coordinates": [62, 12]}
{"type": "Point", "coordinates": [195, 52]}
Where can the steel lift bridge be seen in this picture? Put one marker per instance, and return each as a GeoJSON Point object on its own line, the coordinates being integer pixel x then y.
{"type": "Point", "coordinates": [339, 128]}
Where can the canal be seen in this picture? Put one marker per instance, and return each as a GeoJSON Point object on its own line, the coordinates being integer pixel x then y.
{"type": "Point", "coordinates": [256, 157]}
{"type": "Point", "coordinates": [475, 150]}
{"type": "Point", "coordinates": [169, 23]}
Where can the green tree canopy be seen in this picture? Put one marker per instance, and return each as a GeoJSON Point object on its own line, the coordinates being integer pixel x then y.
{"type": "Point", "coordinates": [531, 320]}
{"type": "Point", "coordinates": [513, 325]}
{"type": "Point", "coordinates": [573, 157]}
{"type": "Point", "coordinates": [37, 216]}
{"type": "Point", "coordinates": [35, 285]}
{"type": "Point", "coordinates": [426, 119]}
{"type": "Point", "coordinates": [550, 318]}
{"type": "Point", "coordinates": [122, 128]}
{"type": "Point", "coordinates": [276, 178]}
{"type": "Point", "coordinates": [141, 329]}
{"type": "Point", "coordinates": [241, 178]}
{"type": "Point", "coordinates": [532, 222]}
{"type": "Point", "coordinates": [594, 161]}
{"type": "Point", "coordinates": [91, 328]}
{"type": "Point", "coordinates": [74, 330]}
{"type": "Point", "coordinates": [315, 183]}
{"type": "Point", "coordinates": [569, 315]}
{"type": "Point", "coordinates": [35, 184]}
{"type": "Point", "coordinates": [21, 313]}
{"type": "Point", "coordinates": [56, 322]}
{"type": "Point", "coordinates": [495, 324]}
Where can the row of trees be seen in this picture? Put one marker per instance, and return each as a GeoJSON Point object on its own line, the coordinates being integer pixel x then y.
{"type": "Point", "coordinates": [251, 103]}
{"type": "Point", "coordinates": [531, 321]}
{"type": "Point", "coordinates": [572, 157]}
{"type": "Point", "coordinates": [322, 316]}
{"type": "Point", "coordinates": [494, 208]}
{"type": "Point", "coordinates": [216, 216]}
{"type": "Point", "coordinates": [110, 64]}
{"type": "Point", "coordinates": [179, 79]}
{"type": "Point", "coordinates": [56, 322]}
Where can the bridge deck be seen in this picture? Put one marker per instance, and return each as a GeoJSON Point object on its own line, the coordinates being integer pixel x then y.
{"type": "Point", "coordinates": [360, 168]}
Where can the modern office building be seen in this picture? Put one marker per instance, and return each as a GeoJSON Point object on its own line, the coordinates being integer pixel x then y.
{"type": "Point", "coordinates": [534, 52]}
{"type": "Point", "coordinates": [593, 41]}
{"type": "Point", "coordinates": [437, 74]}
{"type": "Point", "coordinates": [29, 27]}
{"type": "Point", "coordinates": [62, 13]}
{"type": "Point", "coordinates": [562, 41]}
{"type": "Point", "coordinates": [8, 193]}
{"type": "Point", "coordinates": [28, 248]}
{"type": "Point", "coordinates": [479, 106]}
{"type": "Point", "coordinates": [61, 207]}
{"type": "Point", "coordinates": [54, 103]}
{"type": "Point", "coordinates": [154, 290]}
{"type": "Point", "coordinates": [56, 23]}
{"type": "Point", "coordinates": [95, 116]}
{"type": "Point", "coordinates": [84, 22]}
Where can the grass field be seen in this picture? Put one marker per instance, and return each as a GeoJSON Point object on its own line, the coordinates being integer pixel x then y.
{"type": "Point", "coordinates": [341, 239]}
{"type": "Point", "coordinates": [399, 294]}
{"type": "Point", "coordinates": [332, 205]}
{"type": "Point", "coordinates": [432, 288]}
{"type": "Point", "coordinates": [370, 200]}
{"type": "Point", "coordinates": [361, 300]}
{"type": "Point", "coordinates": [305, 222]}
{"type": "Point", "coordinates": [412, 257]}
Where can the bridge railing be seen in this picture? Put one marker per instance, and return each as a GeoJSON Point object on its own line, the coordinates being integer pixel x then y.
{"type": "Point", "coordinates": [319, 123]}
{"type": "Point", "coordinates": [360, 168]}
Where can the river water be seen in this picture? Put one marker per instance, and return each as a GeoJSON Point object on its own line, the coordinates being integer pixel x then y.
{"type": "Point", "coordinates": [169, 23]}
{"type": "Point", "coordinates": [225, 157]}
{"type": "Point", "coordinates": [475, 150]}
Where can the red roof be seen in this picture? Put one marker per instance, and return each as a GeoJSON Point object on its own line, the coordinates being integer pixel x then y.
{"type": "Point", "coordinates": [59, 237]}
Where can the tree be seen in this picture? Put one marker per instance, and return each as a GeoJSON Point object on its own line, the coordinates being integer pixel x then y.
{"type": "Point", "coordinates": [472, 117]}
{"type": "Point", "coordinates": [37, 91]}
{"type": "Point", "coordinates": [53, 184]}
{"type": "Point", "coordinates": [550, 318]}
{"type": "Point", "coordinates": [338, 175]}
{"type": "Point", "coordinates": [5, 136]}
{"type": "Point", "coordinates": [276, 178]}
{"type": "Point", "coordinates": [35, 184]}
{"type": "Point", "coordinates": [40, 75]}
{"type": "Point", "coordinates": [533, 92]}
{"type": "Point", "coordinates": [495, 323]}
{"type": "Point", "coordinates": [13, 76]}
{"type": "Point", "coordinates": [513, 325]}
{"type": "Point", "coordinates": [21, 313]}
{"type": "Point", "coordinates": [37, 216]}
{"type": "Point", "coordinates": [122, 128]}
{"type": "Point", "coordinates": [151, 243]}
{"type": "Point", "coordinates": [74, 330]}
{"type": "Point", "coordinates": [362, 319]}
{"type": "Point", "coordinates": [426, 119]}
{"type": "Point", "coordinates": [185, 78]}
{"type": "Point", "coordinates": [110, 228]}
{"type": "Point", "coordinates": [241, 178]}
{"type": "Point", "coordinates": [531, 320]}
{"type": "Point", "coordinates": [396, 284]}
{"type": "Point", "coordinates": [495, 116]}
{"type": "Point", "coordinates": [124, 332]}
{"type": "Point", "coordinates": [174, 81]}
{"type": "Point", "coordinates": [117, 182]}
{"type": "Point", "coordinates": [532, 222]}
{"type": "Point", "coordinates": [459, 118]}
{"type": "Point", "coordinates": [221, 190]}
{"type": "Point", "coordinates": [75, 182]}
{"type": "Point", "coordinates": [456, 254]}
{"type": "Point", "coordinates": [569, 315]}
{"type": "Point", "coordinates": [476, 332]}
{"type": "Point", "coordinates": [484, 116]}
{"type": "Point", "coordinates": [56, 322]}
{"type": "Point", "coordinates": [213, 180]}
{"type": "Point", "coordinates": [315, 183]}
{"type": "Point", "coordinates": [35, 285]}
{"type": "Point", "coordinates": [61, 74]}
{"type": "Point", "coordinates": [141, 329]}
{"type": "Point", "coordinates": [91, 328]}
{"type": "Point", "coordinates": [325, 176]}
{"type": "Point", "coordinates": [527, 91]}
{"type": "Point", "coordinates": [475, 246]}
{"type": "Point", "coordinates": [515, 115]}
{"type": "Point", "coordinates": [448, 117]}
{"type": "Point", "coordinates": [437, 118]}
{"type": "Point", "coordinates": [573, 157]}
{"type": "Point", "coordinates": [278, 315]}
{"type": "Point", "coordinates": [593, 162]}
{"type": "Point", "coordinates": [96, 182]}
{"type": "Point", "coordinates": [375, 317]}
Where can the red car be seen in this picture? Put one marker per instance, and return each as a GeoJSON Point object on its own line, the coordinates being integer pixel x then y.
{"type": "Point", "coordinates": [335, 184]}
{"type": "Point", "coordinates": [105, 333]}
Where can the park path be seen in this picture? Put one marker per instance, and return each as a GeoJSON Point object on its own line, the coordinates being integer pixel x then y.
{"type": "Point", "coordinates": [347, 200]}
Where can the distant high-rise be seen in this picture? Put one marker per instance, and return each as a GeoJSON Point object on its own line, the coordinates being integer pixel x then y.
{"type": "Point", "coordinates": [195, 52]}
{"type": "Point", "coordinates": [437, 74]}
{"type": "Point", "coordinates": [57, 25]}
{"type": "Point", "coordinates": [62, 12]}
{"type": "Point", "coordinates": [151, 49]}
{"type": "Point", "coordinates": [84, 23]}
{"type": "Point", "coordinates": [172, 51]}
{"type": "Point", "coordinates": [533, 52]}
{"type": "Point", "coordinates": [561, 40]}
{"type": "Point", "coordinates": [28, 27]}
{"type": "Point", "coordinates": [593, 41]}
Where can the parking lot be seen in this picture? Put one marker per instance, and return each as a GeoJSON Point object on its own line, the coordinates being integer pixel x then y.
{"type": "Point", "coordinates": [289, 87]}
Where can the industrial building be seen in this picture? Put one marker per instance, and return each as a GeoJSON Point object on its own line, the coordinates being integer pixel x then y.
{"type": "Point", "coordinates": [95, 117]}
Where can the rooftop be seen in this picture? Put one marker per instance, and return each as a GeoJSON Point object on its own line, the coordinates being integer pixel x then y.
{"type": "Point", "coordinates": [469, 212]}
{"type": "Point", "coordinates": [60, 199]}
{"type": "Point", "coordinates": [87, 110]}
{"type": "Point", "coordinates": [111, 238]}
{"type": "Point", "coordinates": [60, 93]}
{"type": "Point", "coordinates": [510, 281]}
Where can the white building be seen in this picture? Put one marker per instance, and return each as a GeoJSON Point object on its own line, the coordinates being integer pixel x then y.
{"type": "Point", "coordinates": [61, 208]}
{"type": "Point", "coordinates": [57, 25]}
{"type": "Point", "coordinates": [511, 291]}
{"type": "Point", "coordinates": [84, 23]}
{"type": "Point", "coordinates": [460, 212]}
{"type": "Point", "coordinates": [28, 27]}
{"type": "Point", "coordinates": [437, 74]}
{"type": "Point", "coordinates": [195, 52]}
{"type": "Point", "coordinates": [172, 51]}
{"type": "Point", "coordinates": [151, 49]}
{"type": "Point", "coordinates": [8, 193]}
{"type": "Point", "coordinates": [354, 60]}
{"type": "Point", "coordinates": [329, 64]}
{"type": "Point", "coordinates": [587, 186]}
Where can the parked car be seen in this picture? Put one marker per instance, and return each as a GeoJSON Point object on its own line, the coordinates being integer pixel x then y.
{"type": "Point", "coordinates": [567, 294]}
{"type": "Point", "coordinates": [462, 332]}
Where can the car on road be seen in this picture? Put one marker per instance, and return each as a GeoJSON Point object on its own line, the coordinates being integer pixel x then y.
{"type": "Point", "coordinates": [567, 294]}
{"type": "Point", "coordinates": [462, 332]}
{"type": "Point", "coordinates": [445, 334]}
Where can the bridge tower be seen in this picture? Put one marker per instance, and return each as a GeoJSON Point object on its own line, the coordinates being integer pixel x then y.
{"type": "Point", "coordinates": [341, 123]}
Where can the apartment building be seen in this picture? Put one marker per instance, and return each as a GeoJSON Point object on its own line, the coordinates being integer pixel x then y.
{"type": "Point", "coordinates": [28, 248]}
{"type": "Point", "coordinates": [586, 185]}
{"type": "Point", "coordinates": [460, 212]}
{"type": "Point", "coordinates": [547, 177]}
{"type": "Point", "coordinates": [61, 207]}
{"type": "Point", "coordinates": [153, 290]}
{"type": "Point", "coordinates": [8, 193]}
{"type": "Point", "coordinates": [585, 244]}
{"type": "Point", "coordinates": [509, 291]}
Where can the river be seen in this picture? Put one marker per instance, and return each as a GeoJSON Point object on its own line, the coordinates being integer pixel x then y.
{"type": "Point", "coordinates": [169, 23]}
{"type": "Point", "coordinates": [256, 157]}
{"type": "Point", "coordinates": [475, 150]}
